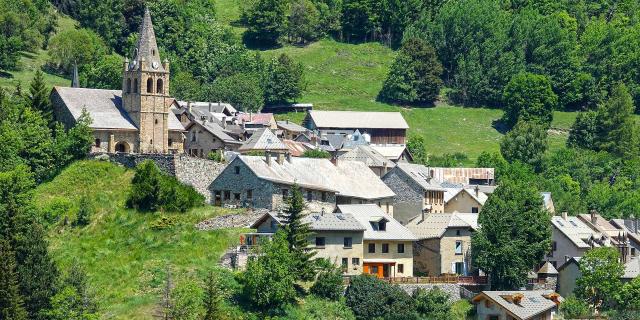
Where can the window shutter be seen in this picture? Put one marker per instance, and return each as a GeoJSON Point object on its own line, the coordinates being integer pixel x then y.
{"type": "Point", "coordinates": [453, 267]}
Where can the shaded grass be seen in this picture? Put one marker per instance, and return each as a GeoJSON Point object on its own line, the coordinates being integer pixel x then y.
{"type": "Point", "coordinates": [125, 259]}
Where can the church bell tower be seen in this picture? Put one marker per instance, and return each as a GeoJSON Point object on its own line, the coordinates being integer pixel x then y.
{"type": "Point", "coordinates": [145, 91]}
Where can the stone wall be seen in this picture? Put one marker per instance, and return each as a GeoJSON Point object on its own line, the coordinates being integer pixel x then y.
{"type": "Point", "coordinates": [409, 197]}
{"type": "Point", "coordinates": [192, 171]}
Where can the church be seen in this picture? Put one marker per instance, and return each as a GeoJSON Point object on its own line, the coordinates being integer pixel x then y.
{"type": "Point", "coordinates": [136, 119]}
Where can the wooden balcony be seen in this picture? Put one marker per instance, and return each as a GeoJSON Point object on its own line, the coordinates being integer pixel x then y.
{"type": "Point", "coordinates": [453, 279]}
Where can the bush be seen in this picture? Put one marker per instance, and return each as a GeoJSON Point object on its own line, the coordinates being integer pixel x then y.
{"type": "Point", "coordinates": [573, 307]}
{"type": "Point", "coordinates": [85, 210]}
{"type": "Point", "coordinates": [329, 285]}
{"type": "Point", "coordinates": [315, 308]}
{"type": "Point", "coordinates": [448, 160]}
{"type": "Point", "coordinates": [371, 298]}
{"type": "Point", "coordinates": [317, 153]}
{"type": "Point", "coordinates": [215, 156]}
{"type": "Point", "coordinates": [433, 304]}
{"type": "Point", "coordinates": [527, 143]}
{"type": "Point", "coordinates": [164, 222]}
{"type": "Point", "coordinates": [153, 190]}
{"type": "Point", "coordinates": [187, 302]}
{"type": "Point", "coordinates": [528, 97]}
{"type": "Point", "coordinates": [56, 208]}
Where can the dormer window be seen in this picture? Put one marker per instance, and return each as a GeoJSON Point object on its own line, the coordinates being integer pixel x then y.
{"type": "Point", "coordinates": [379, 224]}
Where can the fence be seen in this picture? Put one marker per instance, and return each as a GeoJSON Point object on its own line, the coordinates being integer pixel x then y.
{"type": "Point", "coordinates": [453, 279]}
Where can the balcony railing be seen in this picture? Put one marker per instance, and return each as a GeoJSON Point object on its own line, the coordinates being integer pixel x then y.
{"type": "Point", "coordinates": [453, 279]}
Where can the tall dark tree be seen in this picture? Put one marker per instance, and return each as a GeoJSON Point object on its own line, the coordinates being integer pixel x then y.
{"type": "Point", "coordinates": [266, 21]}
{"type": "Point", "coordinates": [414, 77]}
{"type": "Point", "coordinates": [297, 232]}
{"type": "Point", "coordinates": [11, 303]}
{"type": "Point", "coordinates": [39, 96]}
{"type": "Point", "coordinates": [528, 97]}
{"type": "Point", "coordinates": [616, 128]}
{"type": "Point", "coordinates": [284, 80]}
{"type": "Point", "coordinates": [526, 142]}
{"type": "Point", "coordinates": [515, 228]}
{"type": "Point", "coordinates": [583, 131]}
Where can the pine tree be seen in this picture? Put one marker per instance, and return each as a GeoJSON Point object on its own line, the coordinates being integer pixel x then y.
{"type": "Point", "coordinates": [84, 212]}
{"type": "Point", "coordinates": [11, 303]}
{"type": "Point", "coordinates": [297, 232]}
{"type": "Point", "coordinates": [213, 297]}
{"type": "Point", "coordinates": [616, 128]}
{"type": "Point", "coordinates": [39, 96]}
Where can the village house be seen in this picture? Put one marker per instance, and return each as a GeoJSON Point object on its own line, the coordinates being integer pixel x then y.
{"type": "Point", "coordinates": [136, 119]}
{"type": "Point", "coordinates": [337, 237]}
{"type": "Point", "coordinates": [266, 181]}
{"type": "Point", "coordinates": [443, 243]}
{"type": "Point", "coordinates": [204, 137]}
{"type": "Point", "coordinates": [464, 200]}
{"type": "Point", "coordinates": [517, 305]}
{"type": "Point", "coordinates": [387, 244]}
{"type": "Point", "coordinates": [290, 130]}
{"type": "Point", "coordinates": [569, 272]}
{"type": "Point", "coordinates": [367, 155]}
{"type": "Point", "coordinates": [570, 237]}
{"type": "Point", "coordinates": [395, 153]}
{"type": "Point", "coordinates": [257, 120]}
{"type": "Point", "coordinates": [262, 141]}
{"type": "Point", "coordinates": [416, 191]}
{"type": "Point", "coordinates": [384, 128]}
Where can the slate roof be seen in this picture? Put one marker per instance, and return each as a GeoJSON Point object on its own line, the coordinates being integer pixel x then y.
{"type": "Point", "coordinates": [451, 193]}
{"type": "Point", "coordinates": [147, 48]}
{"type": "Point", "coordinates": [356, 119]}
{"type": "Point", "coordinates": [105, 108]}
{"type": "Point", "coordinates": [290, 126]}
{"type": "Point", "coordinates": [390, 152]}
{"type": "Point", "coordinates": [629, 226]}
{"type": "Point", "coordinates": [632, 269]}
{"type": "Point", "coordinates": [368, 156]}
{"type": "Point", "coordinates": [435, 224]}
{"type": "Point", "coordinates": [216, 130]}
{"type": "Point", "coordinates": [547, 268]}
{"type": "Point", "coordinates": [296, 148]}
{"type": "Point", "coordinates": [263, 140]}
{"type": "Point", "coordinates": [421, 175]}
{"type": "Point", "coordinates": [347, 178]}
{"type": "Point", "coordinates": [365, 213]}
{"type": "Point", "coordinates": [532, 304]}
{"type": "Point", "coordinates": [318, 221]}
{"type": "Point", "coordinates": [574, 229]}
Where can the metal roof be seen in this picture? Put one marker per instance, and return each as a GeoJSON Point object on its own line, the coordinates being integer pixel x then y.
{"type": "Point", "coordinates": [366, 213]}
{"type": "Point", "coordinates": [368, 156]}
{"type": "Point", "coordinates": [346, 178]}
{"type": "Point", "coordinates": [435, 225]}
{"type": "Point", "coordinates": [263, 140]}
{"type": "Point", "coordinates": [105, 108]}
{"type": "Point", "coordinates": [532, 303]}
{"type": "Point", "coordinates": [358, 119]}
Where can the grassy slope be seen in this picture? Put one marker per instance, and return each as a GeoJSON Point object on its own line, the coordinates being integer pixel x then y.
{"type": "Point", "coordinates": [124, 258]}
{"type": "Point", "coordinates": [348, 77]}
{"type": "Point", "coordinates": [31, 62]}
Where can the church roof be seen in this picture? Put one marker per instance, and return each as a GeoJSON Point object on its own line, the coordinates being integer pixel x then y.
{"type": "Point", "coordinates": [147, 48]}
{"type": "Point", "coordinates": [104, 107]}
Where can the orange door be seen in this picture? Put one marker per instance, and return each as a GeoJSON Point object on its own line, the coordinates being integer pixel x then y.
{"type": "Point", "coordinates": [374, 269]}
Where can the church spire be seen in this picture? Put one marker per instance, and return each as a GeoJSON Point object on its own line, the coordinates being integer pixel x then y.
{"type": "Point", "coordinates": [75, 81]}
{"type": "Point", "coordinates": [147, 48]}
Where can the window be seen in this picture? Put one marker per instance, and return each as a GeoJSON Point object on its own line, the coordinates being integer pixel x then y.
{"type": "Point", "coordinates": [458, 247]}
{"type": "Point", "coordinates": [474, 209]}
{"type": "Point", "coordinates": [320, 242]}
{"type": "Point", "coordinates": [385, 248]}
{"type": "Point", "coordinates": [372, 248]}
{"type": "Point", "coordinates": [285, 193]}
{"type": "Point", "coordinates": [348, 242]}
{"type": "Point", "coordinates": [400, 247]}
{"type": "Point", "coordinates": [374, 270]}
{"type": "Point", "coordinates": [97, 142]}
{"type": "Point", "coordinates": [457, 232]}
{"type": "Point", "coordinates": [170, 142]}
{"type": "Point", "coordinates": [309, 195]}
{"type": "Point", "coordinates": [324, 196]}
{"type": "Point", "coordinates": [633, 252]}
{"type": "Point", "coordinates": [554, 245]}
{"type": "Point", "coordinates": [193, 136]}
{"type": "Point", "coordinates": [400, 268]}
{"type": "Point", "coordinates": [345, 263]}
{"type": "Point", "coordinates": [135, 85]}
{"type": "Point", "coordinates": [159, 86]}
{"type": "Point", "coordinates": [355, 261]}
{"type": "Point", "coordinates": [459, 268]}
{"type": "Point", "coordinates": [236, 196]}
{"type": "Point", "coordinates": [227, 195]}
{"type": "Point", "coordinates": [249, 194]}
{"type": "Point", "coordinates": [494, 317]}
{"type": "Point", "coordinates": [149, 85]}
{"type": "Point", "coordinates": [382, 225]}
{"type": "Point", "coordinates": [156, 121]}
{"type": "Point", "coordinates": [237, 169]}
{"type": "Point", "coordinates": [128, 85]}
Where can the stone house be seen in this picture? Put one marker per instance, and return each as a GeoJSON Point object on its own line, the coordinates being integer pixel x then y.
{"type": "Point", "coordinates": [265, 182]}
{"type": "Point", "coordinates": [443, 243]}
{"type": "Point", "coordinates": [416, 191]}
{"type": "Point", "coordinates": [205, 136]}
{"type": "Point", "coordinates": [517, 305]}
{"type": "Point", "coordinates": [337, 237]}
{"type": "Point", "coordinates": [136, 119]}
{"type": "Point", "coordinates": [367, 155]}
{"type": "Point", "coordinates": [384, 128]}
{"type": "Point", "coordinates": [387, 244]}
{"type": "Point", "coordinates": [290, 130]}
{"type": "Point", "coordinates": [263, 140]}
{"type": "Point", "coordinates": [569, 272]}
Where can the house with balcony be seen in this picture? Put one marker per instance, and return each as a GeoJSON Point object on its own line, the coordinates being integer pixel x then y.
{"type": "Point", "coordinates": [266, 181]}
{"type": "Point", "coordinates": [387, 244]}
{"type": "Point", "coordinates": [443, 243]}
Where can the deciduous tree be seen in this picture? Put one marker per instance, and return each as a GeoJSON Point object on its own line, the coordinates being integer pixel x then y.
{"type": "Point", "coordinates": [599, 282]}
{"type": "Point", "coordinates": [526, 142]}
{"type": "Point", "coordinates": [528, 97]}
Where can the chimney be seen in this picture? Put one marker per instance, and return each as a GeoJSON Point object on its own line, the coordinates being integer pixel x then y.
{"type": "Point", "coordinates": [268, 158]}
{"type": "Point", "coordinates": [593, 213]}
{"type": "Point", "coordinates": [280, 158]}
{"type": "Point", "coordinates": [224, 122]}
{"type": "Point", "coordinates": [564, 215]}
{"type": "Point", "coordinates": [250, 116]}
{"type": "Point", "coordinates": [334, 160]}
{"type": "Point", "coordinates": [322, 212]}
{"type": "Point", "coordinates": [189, 107]}
{"type": "Point", "coordinates": [477, 189]}
{"type": "Point", "coordinates": [209, 106]}
{"type": "Point", "coordinates": [288, 156]}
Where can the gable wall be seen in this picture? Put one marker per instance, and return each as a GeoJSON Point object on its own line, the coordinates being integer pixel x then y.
{"type": "Point", "coordinates": [409, 196]}
{"type": "Point", "coordinates": [463, 202]}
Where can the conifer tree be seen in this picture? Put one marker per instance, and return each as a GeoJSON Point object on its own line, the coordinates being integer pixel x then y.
{"type": "Point", "coordinates": [616, 129]}
{"type": "Point", "coordinates": [11, 303]}
{"type": "Point", "coordinates": [213, 296]}
{"type": "Point", "coordinates": [39, 96]}
{"type": "Point", "coordinates": [297, 232]}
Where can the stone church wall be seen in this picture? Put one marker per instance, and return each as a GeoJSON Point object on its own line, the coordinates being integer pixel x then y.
{"type": "Point", "coordinates": [192, 171]}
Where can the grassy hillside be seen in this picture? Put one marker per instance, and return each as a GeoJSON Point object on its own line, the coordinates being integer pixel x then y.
{"type": "Point", "coordinates": [124, 257]}
{"type": "Point", "coordinates": [348, 77]}
{"type": "Point", "coordinates": [31, 62]}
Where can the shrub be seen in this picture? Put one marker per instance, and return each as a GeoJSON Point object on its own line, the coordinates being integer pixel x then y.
{"type": "Point", "coordinates": [371, 298]}
{"type": "Point", "coordinates": [187, 302]}
{"type": "Point", "coordinates": [85, 210]}
{"type": "Point", "coordinates": [315, 308]}
{"type": "Point", "coordinates": [573, 307]}
{"type": "Point", "coordinates": [329, 285]}
{"type": "Point", "coordinates": [433, 304]}
{"type": "Point", "coordinates": [529, 97]}
{"type": "Point", "coordinates": [56, 208]}
{"type": "Point", "coordinates": [317, 153]}
{"type": "Point", "coordinates": [153, 190]}
{"type": "Point", "coordinates": [215, 156]}
{"type": "Point", "coordinates": [164, 222]}
{"type": "Point", "coordinates": [527, 143]}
